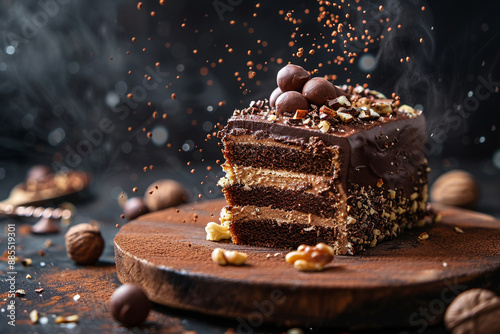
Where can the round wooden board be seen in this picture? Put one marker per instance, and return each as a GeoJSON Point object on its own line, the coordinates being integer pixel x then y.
{"type": "Point", "coordinates": [403, 282]}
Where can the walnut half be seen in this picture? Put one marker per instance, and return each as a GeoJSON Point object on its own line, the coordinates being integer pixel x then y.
{"type": "Point", "coordinates": [225, 257]}
{"type": "Point", "coordinates": [216, 232]}
{"type": "Point", "coordinates": [308, 258]}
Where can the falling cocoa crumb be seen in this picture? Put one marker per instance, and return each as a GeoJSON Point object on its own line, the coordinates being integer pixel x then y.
{"type": "Point", "coordinates": [173, 96]}
{"type": "Point", "coordinates": [122, 216]}
{"type": "Point", "coordinates": [134, 189]}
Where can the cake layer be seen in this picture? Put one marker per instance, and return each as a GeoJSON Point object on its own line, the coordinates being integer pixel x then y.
{"type": "Point", "coordinates": [329, 205]}
{"type": "Point", "coordinates": [282, 235]}
{"type": "Point", "coordinates": [268, 227]}
{"type": "Point", "coordinates": [284, 158]}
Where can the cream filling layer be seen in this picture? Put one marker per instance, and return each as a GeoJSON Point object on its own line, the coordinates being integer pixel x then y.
{"type": "Point", "coordinates": [281, 179]}
{"type": "Point", "coordinates": [252, 212]}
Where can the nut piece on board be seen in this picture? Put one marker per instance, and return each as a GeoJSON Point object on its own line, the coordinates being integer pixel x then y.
{"type": "Point", "coordinates": [216, 232]}
{"type": "Point", "coordinates": [308, 258]}
{"type": "Point", "coordinates": [457, 188]}
{"type": "Point", "coordinates": [84, 243]}
{"type": "Point", "coordinates": [474, 311]}
{"type": "Point", "coordinates": [225, 257]}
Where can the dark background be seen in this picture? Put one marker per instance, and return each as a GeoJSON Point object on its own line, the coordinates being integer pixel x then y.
{"type": "Point", "coordinates": [64, 68]}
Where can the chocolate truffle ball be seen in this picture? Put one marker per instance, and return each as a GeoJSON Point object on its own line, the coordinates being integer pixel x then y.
{"type": "Point", "coordinates": [318, 90]}
{"type": "Point", "coordinates": [274, 95]}
{"type": "Point", "coordinates": [129, 305]}
{"type": "Point", "coordinates": [290, 102]}
{"type": "Point", "coordinates": [292, 77]}
{"type": "Point", "coordinates": [134, 207]}
{"type": "Point", "coordinates": [163, 194]}
{"type": "Point", "coordinates": [38, 172]}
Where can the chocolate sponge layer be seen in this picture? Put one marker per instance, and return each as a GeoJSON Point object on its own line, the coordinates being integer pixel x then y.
{"type": "Point", "coordinates": [323, 206]}
{"type": "Point", "coordinates": [269, 233]}
{"type": "Point", "coordinates": [274, 157]}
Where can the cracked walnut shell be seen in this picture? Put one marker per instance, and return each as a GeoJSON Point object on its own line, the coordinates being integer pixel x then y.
{"type": "Point", "coordinates": [84, 243]}
{"type": "Point", "coordinates": [474, 311]}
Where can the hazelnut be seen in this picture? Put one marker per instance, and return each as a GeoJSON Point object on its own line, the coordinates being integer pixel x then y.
{"type": "Point", "coordinates": [474, 311]}
{"type": "Point", "coordinates": [163, 194]}
{"type": "Point", "coordinates": [84, 243]}
{"type": "Point", "coordinates": [457, 188]}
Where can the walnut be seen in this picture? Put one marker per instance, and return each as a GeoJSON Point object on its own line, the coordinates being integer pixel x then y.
{"type": "Point", "coordinates": [308, 258]}
{"type": "Point", "coordinates": [474, 311]}
{"type": "Point", "coordinates": [457, 188]}
{"type": "Point", "coordinates": [225, 257]}
{"type": "Point", "coordinates": [216, 232]}
{"type": "Point", "coordinates": [84, 243]}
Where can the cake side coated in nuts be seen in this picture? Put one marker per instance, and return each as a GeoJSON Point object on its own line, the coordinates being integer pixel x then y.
{"type": "Point", "coordinates": [84, 243]}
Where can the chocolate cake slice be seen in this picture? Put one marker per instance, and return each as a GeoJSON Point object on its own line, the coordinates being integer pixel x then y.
{"type": "Point", "coordinates": [321, 163]}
